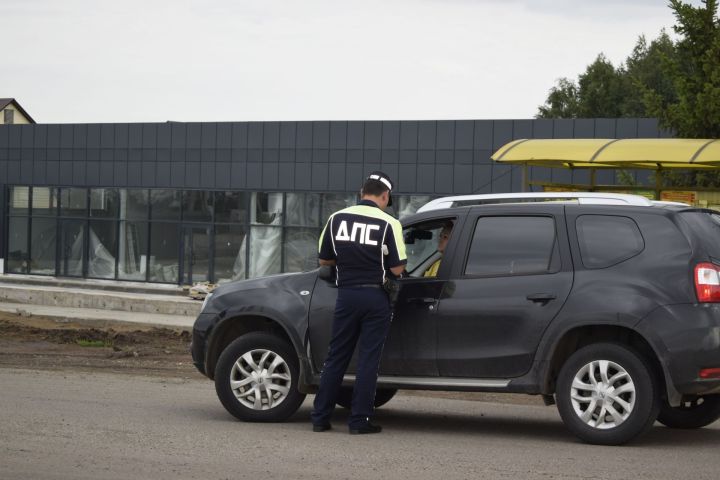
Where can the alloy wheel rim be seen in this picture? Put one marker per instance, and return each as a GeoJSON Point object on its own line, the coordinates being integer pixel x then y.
{"type": "Point", "coordinates": [603, 394]}
{"type": "Point", "coordinates": [260, 379]}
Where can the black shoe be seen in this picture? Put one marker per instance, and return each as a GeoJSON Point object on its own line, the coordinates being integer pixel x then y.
{"type": "Point", "coordinates": [367, 428]}
{"type": "Point", "coordinates": [323, 427]}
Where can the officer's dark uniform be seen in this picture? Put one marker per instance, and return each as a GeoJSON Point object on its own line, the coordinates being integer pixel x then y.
{"type": "Point", "coordinates": [365, 242]}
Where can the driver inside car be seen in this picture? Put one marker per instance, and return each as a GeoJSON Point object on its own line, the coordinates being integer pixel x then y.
{"type": "Point", "coordinates": [442, 243]}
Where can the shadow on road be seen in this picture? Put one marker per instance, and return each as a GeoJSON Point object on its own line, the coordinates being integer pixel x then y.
{"type": "Point", "coordinates": [507, 426]}
{"type": "Point", "coordinates": [429, 423]}
{"type": "Point", "coordinates": [499, 425]}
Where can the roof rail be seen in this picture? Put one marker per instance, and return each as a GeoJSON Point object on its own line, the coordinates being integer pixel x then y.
{"type": "Point", "coordinates": [581, 197]}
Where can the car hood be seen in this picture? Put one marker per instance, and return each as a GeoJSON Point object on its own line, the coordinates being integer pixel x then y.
{"type": "Point", "coordinates": [269, 291]}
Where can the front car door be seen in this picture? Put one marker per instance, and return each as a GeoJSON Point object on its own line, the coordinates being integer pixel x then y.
{"type": "Point", "coordinates": [411, 346]}
{"type": "Point", "coordinates": [505, 288]}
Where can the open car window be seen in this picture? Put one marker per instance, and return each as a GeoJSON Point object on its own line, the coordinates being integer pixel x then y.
{"type": "Point", "coordinates": [421, 242]}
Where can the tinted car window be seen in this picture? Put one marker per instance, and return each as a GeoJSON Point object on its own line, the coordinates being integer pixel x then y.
{"type": "Point", "coordinates": [607, 240]}
{"type": "Point", "coordinates": [706, 226]}
{"type": "Point", "coordinates": [513, 246]}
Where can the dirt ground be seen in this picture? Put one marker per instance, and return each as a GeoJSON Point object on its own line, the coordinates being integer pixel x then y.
{"type": "Point", "coordinates": [47, 344]}
{"type": "Point", "coordinates": [41, 343]}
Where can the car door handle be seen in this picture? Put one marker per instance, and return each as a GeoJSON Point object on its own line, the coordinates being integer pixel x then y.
{"type": "Point", "coordinates": [541, 297]}
{"type": "Point", "coordinates": [423, 300]}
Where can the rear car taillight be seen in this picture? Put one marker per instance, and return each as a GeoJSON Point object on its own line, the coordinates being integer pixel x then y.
{"type": "Point", "coordinates": [708, 373]}
{"type": "Point", "coordinates": [707, 282]}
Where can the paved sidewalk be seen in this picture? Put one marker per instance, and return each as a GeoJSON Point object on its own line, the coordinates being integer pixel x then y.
{"type": "Point", "coordinates": [99, 315]}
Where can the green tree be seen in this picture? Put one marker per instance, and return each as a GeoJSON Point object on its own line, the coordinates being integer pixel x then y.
{"type": "Point", "coordinates": [604, 91]}
{"type": "Point", "coordinates": [694, 72]}
{"type": "Point", "coordinates": [675, 81]}
{"type": "Point", "coordinates": [562, 101]}
{"type": "Point", "coordinates": [645, 73]}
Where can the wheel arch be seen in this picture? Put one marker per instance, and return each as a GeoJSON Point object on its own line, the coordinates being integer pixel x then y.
{"type": "Point", "coordinates": [234, 327]}
{"type": "Point", "coordinates": [580, 336]}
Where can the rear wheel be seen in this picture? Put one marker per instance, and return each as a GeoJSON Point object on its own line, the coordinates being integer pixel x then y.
{"type": "Point", "coordinates": [698, 413]}
{"type": "Point", "coordinates": [607, 394]}
{"type": "Point", "coordinates": [382, 396]}
{"type": "Point", "coordinates": [256, 378]}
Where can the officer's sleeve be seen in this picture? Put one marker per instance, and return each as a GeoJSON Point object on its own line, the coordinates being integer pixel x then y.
{"type": "Point", "coordinates": [396, 255]}
{"type": "Point", "coordinates": [326, 250]}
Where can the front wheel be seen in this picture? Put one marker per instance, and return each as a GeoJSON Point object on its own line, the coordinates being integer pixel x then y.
{"type": "Point", "coordinates": [256, 378]}
{"type": "Point", "coordinates": [607, 394]}
{"type": "Point", "coordinates": [698, 413]}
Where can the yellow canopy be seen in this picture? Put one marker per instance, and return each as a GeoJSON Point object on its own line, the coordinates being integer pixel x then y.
{"type": "Point", "coordinates": [652, 153]}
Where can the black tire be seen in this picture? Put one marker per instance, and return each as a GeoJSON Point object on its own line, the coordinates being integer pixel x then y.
{"type": "Point", "coordinates": [382, 396]}
{"type": "Point", "coordinates": [699, 413]}
{"type": "Point", "coordinates": [257, 344]}
{"type": "Point", "coordinates": [642, 396]}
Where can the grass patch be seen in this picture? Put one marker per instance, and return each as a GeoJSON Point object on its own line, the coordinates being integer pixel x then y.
{"type": "Point", "coordinates": [84, 342]}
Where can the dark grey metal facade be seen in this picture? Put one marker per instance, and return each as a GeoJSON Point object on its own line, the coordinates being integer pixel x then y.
{"type": "Point", "coordinates": [423, 157]}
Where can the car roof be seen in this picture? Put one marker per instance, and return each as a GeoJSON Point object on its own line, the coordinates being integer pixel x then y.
{"type": "Point", "coordinates": [461, 205]}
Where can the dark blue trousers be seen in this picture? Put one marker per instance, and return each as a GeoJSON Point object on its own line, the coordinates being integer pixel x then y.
{"type": "Point", "coordinates": [362, 318]}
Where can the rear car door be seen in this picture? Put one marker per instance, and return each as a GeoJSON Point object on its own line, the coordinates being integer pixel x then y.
{"type": "Point", "coordinates": [505, 288]}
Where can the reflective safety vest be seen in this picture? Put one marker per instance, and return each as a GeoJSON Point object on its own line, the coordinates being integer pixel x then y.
{"type": "Point", "coordinates": [365, 242]}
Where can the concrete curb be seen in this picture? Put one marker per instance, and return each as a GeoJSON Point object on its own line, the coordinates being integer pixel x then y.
{"type": "Point", "coordinates": [103, 318]}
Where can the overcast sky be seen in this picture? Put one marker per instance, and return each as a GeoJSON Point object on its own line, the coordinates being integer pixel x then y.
{"type": "Point", "coordinates": [224, 60]}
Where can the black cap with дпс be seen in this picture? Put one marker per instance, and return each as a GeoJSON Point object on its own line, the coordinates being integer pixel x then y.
{"type": "Point", "coordinates": [383, 178]}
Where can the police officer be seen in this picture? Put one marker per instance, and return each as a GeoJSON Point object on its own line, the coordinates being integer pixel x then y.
{"type": "Point", "coordinates": [363, 243]}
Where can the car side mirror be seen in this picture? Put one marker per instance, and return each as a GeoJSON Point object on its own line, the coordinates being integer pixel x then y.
{"type": "Point", "coordinates": [327, 273]}
{"type": "Point", "coordinates": [411, 235]}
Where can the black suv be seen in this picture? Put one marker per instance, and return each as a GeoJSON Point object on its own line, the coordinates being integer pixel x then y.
{"type": "Point", "coordinates": [606, 304]}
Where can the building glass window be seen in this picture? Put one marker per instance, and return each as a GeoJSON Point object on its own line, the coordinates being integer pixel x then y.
{"type": "Point", "coordinates": [303, 209]}
{"type": "Point", "coordinates": [17, 261]}
{"type": "Point", "coordinates": [265, 251]}
{"type": "Point", "coordinates": [72, 240]}
{"type": "Point", "coordinates": [229, 253]}
{"type": "Point", "coordinates": [301, 249]}
{"type": "Point", "coordinates": [19, 200]}
{"type": "Point", "coordinates": [164, 253]}
{"type": "Point", "coordinates": [133, 204]}
{"type": "Point", "coordinates": [73, 202]}
{"type": "Point", "coordinates": [332, 202]}
{"type": "Point", "coordinates": [266, 213]}
{"type": "Point", "coordinates": [197, 206]}
{"type": "Point", "coordinates": [230, 207]}
{"type": "Point", "coordinates": [9, 116]}
{"type": "Point", "coordinates": [132, 251]}
{"type": "Point", "coordinates": [142, 234]}
{"type": "Point", "coordinates": [102, 249]}
{"type": "Point", "coordinates": [44, 201]}
{"type": "Point", "coordinates": [104, 202]}
{"type": "Point", "coordinates": [165, 204]}
{"type": "Point", "coordinates": [407, 205]}
{"type": "Point", "coordinates": [42, 246]}
{"type": "Point", "coordinates": [195, 253]}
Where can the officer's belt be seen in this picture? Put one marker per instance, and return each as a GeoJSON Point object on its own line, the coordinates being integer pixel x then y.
{"type": "Point", "coordinates": [364, 285]}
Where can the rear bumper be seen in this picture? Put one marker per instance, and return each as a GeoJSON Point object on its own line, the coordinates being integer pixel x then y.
{"type": "Point", "coordinates": [687, 339]}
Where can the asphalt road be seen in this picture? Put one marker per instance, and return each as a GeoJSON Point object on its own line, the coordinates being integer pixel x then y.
{"type": "Point", "coordinates": [69, 425]}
